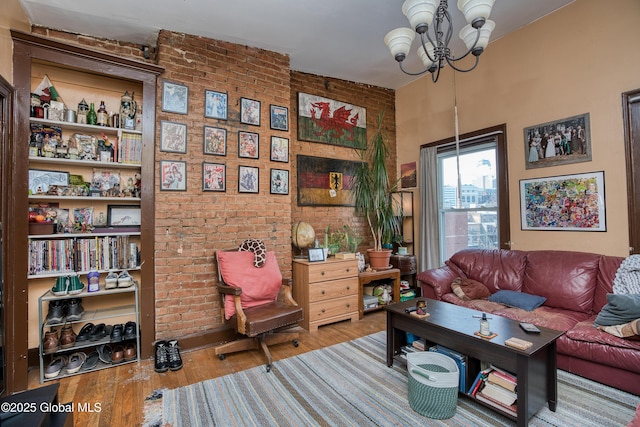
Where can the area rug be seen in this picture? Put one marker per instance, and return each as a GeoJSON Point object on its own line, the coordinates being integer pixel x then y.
{"type": "Point", "coordinates": [349, 384]}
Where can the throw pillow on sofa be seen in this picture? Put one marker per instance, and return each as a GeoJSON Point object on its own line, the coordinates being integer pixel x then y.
{"type": "Point", "coordinates": [620, 308]}
{"type": "Point", "coordinates": [468, 289]}
{"type": "Point", "coordinates": [518, 299]}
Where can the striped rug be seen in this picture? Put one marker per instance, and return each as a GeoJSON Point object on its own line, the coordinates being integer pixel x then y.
{"type": "Point", "coordinates": [349, 384]}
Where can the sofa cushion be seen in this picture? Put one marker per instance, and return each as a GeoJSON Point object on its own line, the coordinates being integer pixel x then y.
{"type": "Point", "coordinates": [552, 318]}
{"type": "Point", "coordinates": [518, 299]}
{"type": "Point", "coordinates": [587, 333]}
{"type": "Point", "coordinates": [483, 305]}
{"type": "Point", "coordinates": [468, 289]}
{"type": "Point", "coordinates": [567, 279]}
{"type": "Point", "coordinates": [607, 269]}
{"type": "Point", "coordinates": [621, 308]}
{"type": "Point", "coordinates": [496, 268]}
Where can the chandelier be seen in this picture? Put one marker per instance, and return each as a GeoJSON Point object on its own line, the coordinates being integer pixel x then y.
{"type": "Point", "coordinates": [434, 49]}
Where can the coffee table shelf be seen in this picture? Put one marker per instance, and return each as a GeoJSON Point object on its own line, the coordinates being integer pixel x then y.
{"type": "Point", "coordinates": [454, 327]}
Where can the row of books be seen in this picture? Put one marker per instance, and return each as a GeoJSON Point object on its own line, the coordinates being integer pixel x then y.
{"type": "Point", "coordinates": [496, 388]}
{"type": "Point", "coordinates": [130, 148]}
{"type": "Point", "coordinates": [82, 254]}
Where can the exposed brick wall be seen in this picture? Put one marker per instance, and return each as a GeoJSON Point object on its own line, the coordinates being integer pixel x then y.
{"type": "Point", "coordinates": [374, 100]}
{"type": "Point", "coordinates": [192, 224]}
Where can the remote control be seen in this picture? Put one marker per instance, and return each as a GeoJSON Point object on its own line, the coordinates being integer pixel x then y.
{"type": "Point", "coordinates": [529, 327]}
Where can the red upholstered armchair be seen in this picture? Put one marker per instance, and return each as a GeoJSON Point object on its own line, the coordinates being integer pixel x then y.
{"type": "Point", "coordinates": [250, 299]}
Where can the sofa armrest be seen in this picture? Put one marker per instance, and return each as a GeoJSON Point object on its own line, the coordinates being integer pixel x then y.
{"type": "Point", "coordinates": [436, 282]}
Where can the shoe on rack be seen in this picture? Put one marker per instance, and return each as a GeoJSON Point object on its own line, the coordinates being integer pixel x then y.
{"type": "Point", "coordinates": [75, 310]}
{"type": "Point", "coordinates": [104, 353]}
{"type": "Point", "coordinates": [117, 356]}
{"type": "Point", "coordinates": [175, 361]}
{"type": "Point", "coordinates": [161, 363]}
{"type": "Point", "coordinates": [111, 282]}
{"type": "Point", "coordinates": [61, 287]}
{"type": "Point", "coordinates": [92, 361]}
{"type": "Point", "coordinates": [99, 332]}
{"type": "Point", "coordinates": [76, 360]}
{"type": "Point", "coordinates": [67, 337]}
{"type": "Point", "coordinates": [125, 280]}
{"type": "Point", "coordinates": [130, 330]}
{"type": "Point", "coordinates": [75, 286]}
{"type": "Point", "coordinates": [51, 342]}
{"type": "Point", "coordinates": [130, 352]}
{"type": "Point", "coordinates": [57, 311]}
{"type": "Point", "coordinates": [55, 367]}
{"type": "Point", "coordinates": [116, 333]}
{"type": "Point", "coordinates": [85, 332]}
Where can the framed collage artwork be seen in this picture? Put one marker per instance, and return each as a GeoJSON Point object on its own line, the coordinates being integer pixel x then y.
{"type": "Point", "coordinates": [248, 144]}
{"type": "Point", "coordinates": [250, 111]}
{"type": "Point", "coordinates": [215, 141]}
{"type": "Point", "coordinates": [279, 182]}
{"type": "Point", "coordinates": [279, 149]}
{"type": "Point", "coordinates": [175, 98]}
{"type": "Point", "coordinates": [248, 179]}
{"type": "Point", "coordinates": [215, 105]}
{"type": "Point", "coordinates": [173, 175]}
{"type": "Point", "coordinates": [278, 117]}
{"type": "Point", "coordinates": [214, 177]}
{"type": "Point", "coordinates": [173, 137]}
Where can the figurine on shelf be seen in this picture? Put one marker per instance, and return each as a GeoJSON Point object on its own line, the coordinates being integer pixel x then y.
{"type": "Point", "coordinates": [128, 107]}
{"type": "Point", "coordinates": [137, 186]}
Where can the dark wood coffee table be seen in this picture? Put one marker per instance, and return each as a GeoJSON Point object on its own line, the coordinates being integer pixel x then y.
{"type": "Point", "coordinates": [453, 326]}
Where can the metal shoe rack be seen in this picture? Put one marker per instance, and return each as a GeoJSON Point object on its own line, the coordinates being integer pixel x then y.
{"type": "Point", "coordinates": [95, 316]}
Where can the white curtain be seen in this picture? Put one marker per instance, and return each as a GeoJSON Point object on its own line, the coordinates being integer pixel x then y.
{"type": "Point", "coordinates": [429, 229]}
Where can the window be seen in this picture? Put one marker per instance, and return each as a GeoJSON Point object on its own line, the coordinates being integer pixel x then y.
{"type": "Point", "coordinates": [475, 215]}
{"type": "Point", "coordinates": [472, 222]}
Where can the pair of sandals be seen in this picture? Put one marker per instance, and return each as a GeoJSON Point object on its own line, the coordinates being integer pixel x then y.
{"type": "Point", "coordinates": [72, 364]}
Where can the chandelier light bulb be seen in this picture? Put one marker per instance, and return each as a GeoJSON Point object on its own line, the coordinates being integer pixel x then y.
{"type": "Point", "coordinates": [399, 42]}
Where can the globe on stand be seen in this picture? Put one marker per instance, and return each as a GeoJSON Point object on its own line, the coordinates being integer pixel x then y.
{"type": "Point", "coordinates": [302, 236]}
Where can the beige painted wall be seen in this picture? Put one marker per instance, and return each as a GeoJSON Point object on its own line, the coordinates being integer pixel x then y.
{"type": "Point", "coordinates": [11, 18]}
{"type": "Point", "coordinates": [554, 68]}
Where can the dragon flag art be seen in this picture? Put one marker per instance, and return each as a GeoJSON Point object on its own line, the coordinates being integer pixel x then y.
{"type": "Point", "coordinates": [331, 122]}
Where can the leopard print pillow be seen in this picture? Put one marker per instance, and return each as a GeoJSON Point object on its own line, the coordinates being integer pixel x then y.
{"type": "Point", "coordinates": [259, 251]}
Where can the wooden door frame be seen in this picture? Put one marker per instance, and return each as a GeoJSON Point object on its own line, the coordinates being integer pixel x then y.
{"type": "Point", "coordinates": [7, 97]}
{"type": "Point", "coordinates": [631, 116]}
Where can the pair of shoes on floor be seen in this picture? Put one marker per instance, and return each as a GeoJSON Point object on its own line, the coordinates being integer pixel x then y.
{"type": "Point", "coordinates": [70, 310]}
{"type": "Point", "coordinates": [115, 280]}
{"type": "Point", "coordinates": [67, 285]}
{"type": "Point", "coordinates": [72, 363]}
{"type": "Point", "coordinates": [167, 356]}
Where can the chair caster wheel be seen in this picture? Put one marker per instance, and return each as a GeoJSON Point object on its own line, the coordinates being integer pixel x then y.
{"type": "Point", "coordinates": [296, 343]}
{"type": "Point", "coordinates": [221, 356]}
{"type": "Point", "coordinates": [268, 367]}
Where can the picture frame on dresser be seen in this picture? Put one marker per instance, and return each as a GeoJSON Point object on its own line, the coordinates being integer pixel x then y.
{"type": "Point", "coordinates": [316, 254]}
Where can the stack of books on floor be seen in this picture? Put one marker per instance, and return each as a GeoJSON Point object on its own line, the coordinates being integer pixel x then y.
{"type": "Point", "coordinates": [497, 388]}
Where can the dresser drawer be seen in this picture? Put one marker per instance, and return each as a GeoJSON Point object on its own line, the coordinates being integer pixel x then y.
{"type": "Point", "coordinates": [332, 289]}
{"type": "Point", "coordinates": [330, 271]}
{"type": "Point", "coordinates": [321, 310]}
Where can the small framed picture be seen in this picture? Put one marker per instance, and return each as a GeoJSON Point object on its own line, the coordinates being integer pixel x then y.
{"type": "Point", "coordinates": [248, 179]}
{"type": "Point", "coordinates": [82, 218]}
{"type": "Point", "coordinates": [250, 111]}
{"type": "Point", "coordinates": [279, 181]}
{"type": "Point", "coordinates": [215, 141]}
{"type": "Point", "coordinates": [214, 177]}
{"type": "Point", "coordinates": [215, 104]}
{"type": "Point", "coordinates": [124, 216]}
{"type": "Point", "coordinates": [175, 98]}
{"type": "Point", "coordinates": [41, 180]}
{"type": "Point", "coordinates": [173, 137]}
{"type": "Point", "coordinates": [279, 117]}
{"type": "Point", "coordinates": [173, 175]}
{"type": "Point", "coordinates": [279, 149]}
{"type": "Point", "coordinates": [316, 254]}
{"type": "Point", "coordinates": [248, 144]}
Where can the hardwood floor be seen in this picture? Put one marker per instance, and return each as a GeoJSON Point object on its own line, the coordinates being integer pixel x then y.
{"type": "Point", "coordinates": [120, 391]}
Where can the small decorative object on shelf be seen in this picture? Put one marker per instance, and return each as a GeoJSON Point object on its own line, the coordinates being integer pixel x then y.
{"type": "Point", "coordinates": [484, 325]}
{"type": "Point", "coordinates": [128, 108]}
{"type": "Point", "coordinates": [83, 111]}
{"type": "Point", "coordinates": [92, 117]}
{"type": "Point", "coordinates": [102, 116]}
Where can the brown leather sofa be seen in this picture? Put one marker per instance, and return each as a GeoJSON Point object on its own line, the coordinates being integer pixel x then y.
{"type": "Point", "coordinates": [575, 285]}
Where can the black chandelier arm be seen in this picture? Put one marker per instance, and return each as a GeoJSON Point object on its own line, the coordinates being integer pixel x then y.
{"type": "Point", "coordinates": [411, 73]}
{"type": "Point", "coordinates": [424, 46]}
{"type": "Point", "coordinates": [452, 65]}
{"type": "Point", "coordinates": [450, 60]}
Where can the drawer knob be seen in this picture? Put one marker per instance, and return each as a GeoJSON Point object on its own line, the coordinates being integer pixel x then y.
{"type": "Point", "coordinates": [322, 310]}
{"type": "Point", "coordinates": [348, 305]}
{"type": "Point", "coordinates": [348, 270]}
{"type": "Point", "coordinates": [322, 292]}
{"type": "Point", "coordinates": [348, 287]}
{"type": "Point", "coordinates": [322, 273]}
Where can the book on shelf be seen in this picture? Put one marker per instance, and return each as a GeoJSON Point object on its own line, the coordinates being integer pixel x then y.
{"type": "Point", "coordinates": [461, 361]}
{"type": "Point", "coordinates": [503, 379]}
{"type": "Point", "coordinates": [479, 381]}
{"type": "Point", "coordinates": [498, 393]}
{"type": "Point", "coordinates": [419, 344]}
{"type": "Point", "coordinates": [509, 409]}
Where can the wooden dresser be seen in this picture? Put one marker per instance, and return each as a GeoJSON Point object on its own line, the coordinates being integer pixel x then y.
{"type": "Point", "coordinates": [327, 291]}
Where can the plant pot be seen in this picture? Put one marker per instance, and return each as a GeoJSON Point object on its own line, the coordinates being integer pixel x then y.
{"type": "Point", "coordinates": [379, 260]}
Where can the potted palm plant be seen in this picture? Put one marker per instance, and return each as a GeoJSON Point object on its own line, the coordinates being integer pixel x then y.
{"type": "Point", "coordinates": [372, 194]}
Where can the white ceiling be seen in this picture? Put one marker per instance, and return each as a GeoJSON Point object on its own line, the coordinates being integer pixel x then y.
{"type": "Point", "coordinates": [334, 38]}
